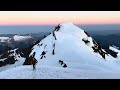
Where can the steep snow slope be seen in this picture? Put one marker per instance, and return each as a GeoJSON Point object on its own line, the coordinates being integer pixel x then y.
{"type": "Point", "coordinates": [82, 55]}
{"type": "Point", "coordinates": [20, 38]}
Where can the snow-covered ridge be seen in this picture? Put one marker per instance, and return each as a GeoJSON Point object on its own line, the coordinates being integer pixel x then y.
{"type": "Point", "coordinates": [15, 38]}
{"type": "Point", "coordinates": [72, 45]}
{"type": "Point", "coordinates": [19, 37]}
{"type": "Point", "coordinates": [5, 39]}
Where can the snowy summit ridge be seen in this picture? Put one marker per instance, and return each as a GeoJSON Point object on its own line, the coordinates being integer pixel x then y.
{"type": "Point", "coordinates": [70, 44]}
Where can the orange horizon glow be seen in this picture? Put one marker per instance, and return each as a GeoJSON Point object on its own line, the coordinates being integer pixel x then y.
{"type": "Point", "coordinates": [56, 17]}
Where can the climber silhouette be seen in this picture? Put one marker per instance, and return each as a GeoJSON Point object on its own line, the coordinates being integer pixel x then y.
{"type": "Point", "coordinates": [34, 63]}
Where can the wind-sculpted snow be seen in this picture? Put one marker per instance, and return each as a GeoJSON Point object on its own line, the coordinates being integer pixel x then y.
{"type": "Point", "coordinates": [45, 72]}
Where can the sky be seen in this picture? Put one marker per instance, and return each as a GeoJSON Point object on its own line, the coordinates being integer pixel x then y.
{"type": "Point", "coordinates": [56, 17]}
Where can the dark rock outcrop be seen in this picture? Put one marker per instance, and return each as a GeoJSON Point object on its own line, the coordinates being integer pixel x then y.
{"type": "Point", "coordinates": [64, 65]}
{"type": "Point", "coordinates": [86, 41]}
{"type": "Point", "coordinates": [98, 49]}
{"type": "Point", "coordinates": [54, 35]}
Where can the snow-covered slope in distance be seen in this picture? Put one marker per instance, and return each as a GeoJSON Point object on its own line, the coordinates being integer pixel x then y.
{"type": "Point", "coordinates": [17, 59]}
{"type": "Point", "coordinates": [5, 39]}
{"type": "Point", "coordinates": [21, 38]}
{"type": "Point", "coordinates": [15, 38]}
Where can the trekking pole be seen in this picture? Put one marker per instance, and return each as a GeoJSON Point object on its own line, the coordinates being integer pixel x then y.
{"type": "Point", "coordinates": [34, 73]}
